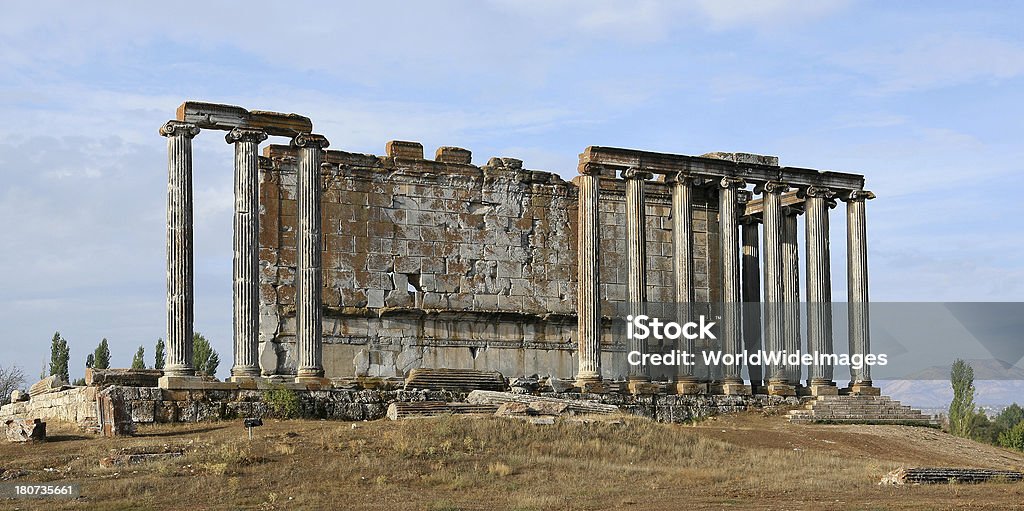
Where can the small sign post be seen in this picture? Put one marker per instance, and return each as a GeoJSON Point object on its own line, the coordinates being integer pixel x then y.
{"type": "Point", "coordinates": [252, 422]}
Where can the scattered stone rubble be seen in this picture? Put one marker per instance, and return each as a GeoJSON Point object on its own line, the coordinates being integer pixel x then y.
{"type": "Point", "coordinates": [576, 406]}
{"type": "Point", "coordinates": [25, 430]}
{"type": "Point", "coordinates": [139, 455]}
{"type": "Point", "coordinates": [46, 386]}
{"type": "Point", "coordinates": [947, 475]}
{"type": "Point", "coordinates": [406, 410]}
{"type": "Point", "coordinates": [463, 380]}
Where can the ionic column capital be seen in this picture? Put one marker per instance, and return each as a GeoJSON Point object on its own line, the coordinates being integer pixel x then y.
{"type": "Point", "coordinates": [245, 135]}
{"type": "Point", "coordinates": [816, 192]}
{"type": "Point", "coordinates": [635, 173]}
{"type": "Point", "coordinates": [682, 178]}
{"type": "Point", "coordinates": [310, 140]}
{"type": "Point", "coordinates": [179, 128]}
{"type": "Point", "coordinates": [591, 169]}
{"type": "Point", "coordinates": [732, 182]}
{"type": "Point", "coordinates": [771, 187]}
{"type": "Point", "coordinates": [859, 196]}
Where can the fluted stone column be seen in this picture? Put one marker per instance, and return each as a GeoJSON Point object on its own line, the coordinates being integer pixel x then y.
{"type": "Point", "coordinates": [732, 381]}
{"type": "Point", "coordinates": [246, 264]}
{"type": "Point", "coordinates": [682, 263]}
{"type": "Point", "coordinates": [180, 297]}
{"type": "Point", "coordinates": [774, 321]}
{"type": "Point", "coordinates": [857, 273]}
{"type": "Point", "coordinates": [751, 290]}
{"type": "Point", "coordinates": [636, 261]}
{"type": "Point", "coordinates": [588, 300]}
{"type": "Point", "coordinates": [308, 282]}
{"type": "Point", "coordinates": [817, 202]}
{"type": "Point", "coordinates": [791, 291]}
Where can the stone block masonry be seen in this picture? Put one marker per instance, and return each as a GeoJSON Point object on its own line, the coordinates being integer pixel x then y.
{"type": "Point", "coordinates": [376, 265]}
{"type": "Point", "coordinates": [152, 405]}
{"type": "Point", "coordinates": [441, 263]}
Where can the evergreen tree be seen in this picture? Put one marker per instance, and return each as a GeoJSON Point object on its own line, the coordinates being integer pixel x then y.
{"type": "Point", "coordinates": [101, 357]}
{"type": "Point", "coordinates": [961, 409]}
{"type": "Point", "coordinates": [90, 360]}
{"type": "Point", "coordinates": [159, 354]}
{"type": "Point", "coordinates": [59, 357]}
{"type": "Point", "coordinates": [139, 362]}
{"type": "Point", "coordinates": [204, 357]}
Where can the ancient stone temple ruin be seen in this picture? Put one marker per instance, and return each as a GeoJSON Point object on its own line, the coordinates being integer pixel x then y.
{"type": "Point", "coordinates": [356, 265]}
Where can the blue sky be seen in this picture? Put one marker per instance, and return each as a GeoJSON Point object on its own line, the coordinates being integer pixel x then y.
{"type": "Point", "coordinates": [924, 98]}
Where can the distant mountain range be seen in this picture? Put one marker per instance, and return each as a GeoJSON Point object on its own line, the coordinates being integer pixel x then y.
{"type": "Point", "coordinates": [995, 385]}
{"type": "Point", "coordinates": [984, 369]}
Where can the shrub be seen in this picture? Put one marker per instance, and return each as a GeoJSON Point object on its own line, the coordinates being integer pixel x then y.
{"type": "Point", "coordinates": [284, 402]}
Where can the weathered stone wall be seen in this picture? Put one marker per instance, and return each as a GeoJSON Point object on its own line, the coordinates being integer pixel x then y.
{"type": "Point", "coordinates": [76, 405]}
{"type": "Point", "coordinates": [446, 264]}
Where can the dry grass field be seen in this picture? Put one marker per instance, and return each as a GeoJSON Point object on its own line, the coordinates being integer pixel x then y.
{"type": "Point", "coordinates": [745, 461]}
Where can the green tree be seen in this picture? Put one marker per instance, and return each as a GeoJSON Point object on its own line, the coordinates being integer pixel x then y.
{"type": "Point", "coordinates": [961, 409]}
{"type": "Point", "coordinates": [90, 360]}
{"type": "Point", "coordinates": [59, 357]}
{"type": "Point", "coordinates": [1010, 417]}
{"type": "Point", "coordinates": [1013, 438]}
{"type": "Point", "coordinates": [985, 430]}
{"type": "Point", "coordinates": [139, 361]}
{"type": "Point", "coordinates": [101, 357]}
{"type": "Point", "coordinates": [159, 354]}
{"type": "Point", "coordinates": [204, 357]}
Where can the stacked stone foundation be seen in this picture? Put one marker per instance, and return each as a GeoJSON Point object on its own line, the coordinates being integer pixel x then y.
{"type": "Point", "coordinates": [860, 409]}
{"type": "Point", "coordinates": [153, 405]}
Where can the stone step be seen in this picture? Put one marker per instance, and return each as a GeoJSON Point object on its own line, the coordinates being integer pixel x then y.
{"type": "Point", "coordinates": [854, 409]}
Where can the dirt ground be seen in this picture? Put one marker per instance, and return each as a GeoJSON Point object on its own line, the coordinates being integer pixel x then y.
{"type": "Point", "coordinates": [744, 461]}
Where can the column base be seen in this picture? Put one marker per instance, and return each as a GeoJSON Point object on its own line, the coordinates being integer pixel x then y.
{"type": "Point", "coordinates": [781, 389]}
{"type": "Point", "coordinates": [179, 382]}
{"type": "Point", "coordinates": [736, 389]}
{"type": "Point", "coordinates": [863, 389]}
{"type": "Point", "coordinates": [823, 390]}
{"type": "Point", "coordinates": [691, 388]}
{"type": "Point", "coordinates": [646, 388]}
{"type": "Point", "coordinates": [313, 382]}
{"type": "Point", "coordinates": [246, 382]}
{"type": "Point", "coordinates": [592, 386]}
